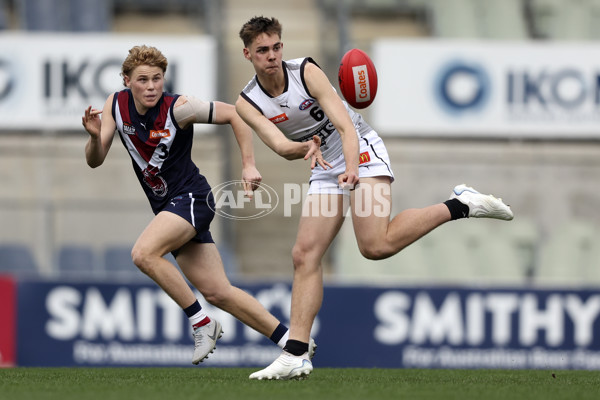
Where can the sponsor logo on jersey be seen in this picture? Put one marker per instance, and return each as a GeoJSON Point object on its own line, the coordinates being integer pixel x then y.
{"type": "Point", "coordinates": [128, 129]}
{"type": "Point", "coordinates": [323, 131]}
{"type": "Point", "coordinates": [364, 158]}
{"type": "Point", "coordinates": [305, 104]}
{"type": "Point", "coordinates": [279, 118]}
{"type": "Point", "coordinates": [163, 133]}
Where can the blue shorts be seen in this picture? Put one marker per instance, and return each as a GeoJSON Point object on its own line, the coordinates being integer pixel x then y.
{"type": "Point", "coordinates": [197, 209]}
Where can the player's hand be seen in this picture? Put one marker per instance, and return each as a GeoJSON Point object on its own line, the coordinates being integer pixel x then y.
{"type": "Point", "coordinates": [251, 179]}
{"type": "Point", "coordinates": [315, 155]}
{"type": "Point", "coordinates": [91, 121]}
{"type": "Point", "coordinates": [348, 180]}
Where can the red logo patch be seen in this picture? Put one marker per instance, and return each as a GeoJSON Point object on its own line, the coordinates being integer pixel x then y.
{"type": "Point", "coordinates": [364, 158]}
{"type": "Point", "coordinates": [279, 118]}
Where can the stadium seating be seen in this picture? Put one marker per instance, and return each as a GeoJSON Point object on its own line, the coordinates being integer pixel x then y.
{"type": "Point", "coordinates": [412, 265]}
{"type": "Point", "coordinates": [564, 20]}
{"type": "Point", "coordinates": [510, 252]}
{"type": "Point", "coordinates": [3, 15]}
{"type": "Point", "coordinates": [117, 259]}
{"type": "Point", "coordinates": [454, 18]}
{"type": "Point", "coordinates": [409, 266]}
{"type": "Point", "coordinates": [454, 252]}
{"type": "Point", "coordinates": [489, 19]}
{"type": "Point", "coordinates": [441, 256]}
{"type": "Point", "coordinates": [70, 15]}
{"type": "Point", "coordinates": [374, 7]}
{"type": "Point", "coordinates": [570, 256]}
{"type": "Point", "coordinates": [17, 258]}
{"type": "Point", "coordinates": [75, 259]}
{"type": "Point", "coordinates": [502, 19]}
{"type": "Point", "coordinates": [157, 5]}
{"type": "Point", "coordinates": [118, 262]}
{"type": "Point", "coordinates": [460, 252]}
{"type": "Point", "coordinates": [230, 262]}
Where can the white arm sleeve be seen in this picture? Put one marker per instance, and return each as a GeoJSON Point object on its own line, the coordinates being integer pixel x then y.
{"type": "Point", "coordinates": [194, 111]}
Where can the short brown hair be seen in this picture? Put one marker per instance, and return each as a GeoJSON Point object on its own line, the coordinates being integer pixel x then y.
{"type": "Point", "coordinates": [143, 55]}
{"type": "Point", "coordinates": [257, 25]}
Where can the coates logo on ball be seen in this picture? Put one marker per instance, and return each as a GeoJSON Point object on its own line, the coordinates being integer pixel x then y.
{"type": "Point", "coordinates": [357, 78]}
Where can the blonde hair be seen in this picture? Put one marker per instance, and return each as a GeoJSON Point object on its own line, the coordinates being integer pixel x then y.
{"type": "Point", "coordinates": [143, 55]}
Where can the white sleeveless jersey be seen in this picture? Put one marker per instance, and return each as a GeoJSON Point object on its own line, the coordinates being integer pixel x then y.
{"type": "Point", "coordinates": [297, 114]}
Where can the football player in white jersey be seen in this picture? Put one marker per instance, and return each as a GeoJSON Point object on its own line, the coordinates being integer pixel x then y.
{"type": "Point", "coordinates": [156, 128]}
{"type": "Point", "coordinates": [293, 108]}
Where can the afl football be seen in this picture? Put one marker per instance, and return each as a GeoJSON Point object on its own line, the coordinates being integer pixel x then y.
{"type": "Point", "coordinates": [357, 78]}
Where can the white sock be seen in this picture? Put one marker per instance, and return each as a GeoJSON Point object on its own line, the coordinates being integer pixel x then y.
{"type": "Point", "coordinates": [197, 318]}
{"type": "Point", "coordinates": [284, 339]}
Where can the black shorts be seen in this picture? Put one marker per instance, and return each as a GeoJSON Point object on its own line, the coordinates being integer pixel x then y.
{"type": "Point", "coordinates": [198, 210]}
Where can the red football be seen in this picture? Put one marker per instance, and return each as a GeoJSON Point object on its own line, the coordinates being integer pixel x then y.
{"type": "Point", "coordinates": [357, 78]}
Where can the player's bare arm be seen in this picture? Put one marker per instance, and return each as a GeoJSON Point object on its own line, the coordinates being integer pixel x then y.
{"type": "Point", "coordinates": [276, 140]}
{"type": "Point", "coordinates": [320, 88]}
{"type": "Point", "coordinates": [226, 114]}
{"type": "Point", "coordinates": [189, 110]}
{"type": "Point", "coordinates": [101, 133]}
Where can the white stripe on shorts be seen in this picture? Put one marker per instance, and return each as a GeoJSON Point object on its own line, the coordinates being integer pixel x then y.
{"type": "Point", "coordinates": [192, 210]}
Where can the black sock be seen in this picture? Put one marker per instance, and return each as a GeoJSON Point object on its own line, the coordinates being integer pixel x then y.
{"type": "Point", "coordinates": [193, 309]}
{"type": "Point", "coordinates": [457, 209]}
{"type": "Point", "coordinates": [296, 347]}
{"type": "Point", "coordinates": [278, 333]}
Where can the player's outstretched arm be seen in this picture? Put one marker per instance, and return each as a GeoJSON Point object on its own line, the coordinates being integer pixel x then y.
{"type": "Point", "coordinates": [101, 133]}
{"type": "Point", "coordinates": [272, 136]}
{"type": "Point", "coordinates": [226, 114]}
{"type": "Point", "coordinates": [320, 88]}
{"type": "Point", "coordinates": [189, 110]}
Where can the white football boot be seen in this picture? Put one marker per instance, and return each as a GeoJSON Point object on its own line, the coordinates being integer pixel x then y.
{"type": "Point", "coordinates": [205, 340]}
{"type": "Point", "coordinates": [286, 366]}
{"type": "Point", "coordinates": [312, 348]}
{"type": "Point", "coordinates": [481, 205]}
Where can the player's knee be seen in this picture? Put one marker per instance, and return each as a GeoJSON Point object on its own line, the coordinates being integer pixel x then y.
{"type": "Point", "coordinates": [372, 251]}
{"type": "Point", "coordinates": [141, 259]}
{"type": "Point", "coordinates": [306, 261]}
{"type": "Point", "coordinates": [219, 297]}
{"type": "Point", "coordinates": [214, 298]}
{"type": "Point", "coordinates": [299, 256]}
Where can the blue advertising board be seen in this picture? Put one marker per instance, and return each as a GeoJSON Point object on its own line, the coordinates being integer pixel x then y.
{"type": "Point", "coordinates": [136, 324]}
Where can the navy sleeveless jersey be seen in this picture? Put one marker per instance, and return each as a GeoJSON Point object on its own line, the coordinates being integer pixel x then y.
{"type": "Point", "coordinates": [160, 150]}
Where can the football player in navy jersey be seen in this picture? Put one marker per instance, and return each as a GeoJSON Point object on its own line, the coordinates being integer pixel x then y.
{"type": "Point", "coordinates": [296, 112]}
{"type": "Point", "coordinates": [156, 128]}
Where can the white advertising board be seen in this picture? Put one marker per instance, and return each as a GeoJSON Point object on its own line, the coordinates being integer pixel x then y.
{"type": "Point", "coordinates": [48, 79]}
{"type": "Point", "coordinates": [487, 88]}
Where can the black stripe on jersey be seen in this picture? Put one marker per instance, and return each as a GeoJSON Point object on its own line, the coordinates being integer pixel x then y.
{"type": "Point", "coordinates": [285, 75]}
{"type": "Point", "coordinates": [210, 113]}
{"type": "Point", "coordinates": [374, 152]}
{"type": "Point", "coordinates": [310, 60]}
{"type": "Point", "coordinates": [172, 112]}
{"type": "Point", "coordinates": [284, 67]}
{"type": "Point", "coordinates": [249, 100]}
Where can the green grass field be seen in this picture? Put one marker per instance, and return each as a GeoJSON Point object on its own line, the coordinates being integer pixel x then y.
{"type": "Point", "coordinates": [324, 383]}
